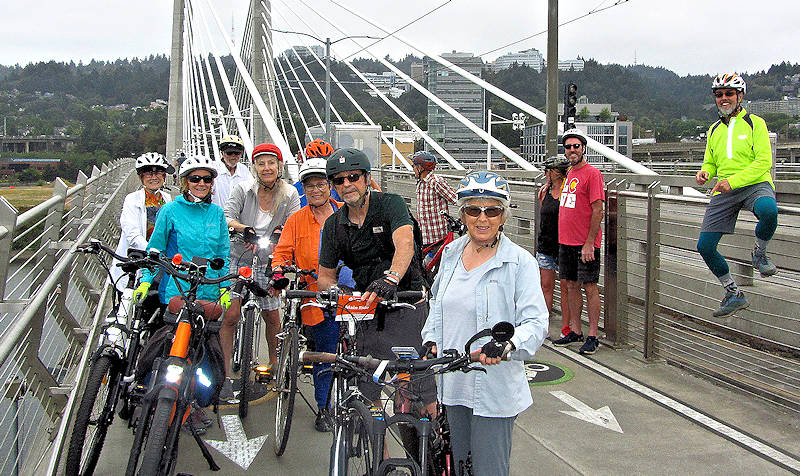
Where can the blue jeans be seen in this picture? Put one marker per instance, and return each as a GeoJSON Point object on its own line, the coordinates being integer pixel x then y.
{"type": "Point", "coordinates": [325, 335]}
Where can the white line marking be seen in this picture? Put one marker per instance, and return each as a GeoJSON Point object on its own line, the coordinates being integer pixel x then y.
{"type": "Point", "coordinates": [238, 448]}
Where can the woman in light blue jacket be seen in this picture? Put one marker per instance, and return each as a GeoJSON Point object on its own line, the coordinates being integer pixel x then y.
{"type": "Point", "coordinates": [485, 278]}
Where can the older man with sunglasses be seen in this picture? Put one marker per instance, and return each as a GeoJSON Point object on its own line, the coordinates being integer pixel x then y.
{"type": "Point", "coordinates": [739, 154]}
{"type": "Point", "coordinates": [372, 233]}
{"type": "Point", "coordinates": [230, 171]}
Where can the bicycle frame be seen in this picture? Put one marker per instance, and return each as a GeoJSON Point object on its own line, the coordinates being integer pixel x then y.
{"type": "Point", "coordinates": [454, 226]}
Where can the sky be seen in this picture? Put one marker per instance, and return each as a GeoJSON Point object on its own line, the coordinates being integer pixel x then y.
{"type": "Point", "coordinates": [685, 36]}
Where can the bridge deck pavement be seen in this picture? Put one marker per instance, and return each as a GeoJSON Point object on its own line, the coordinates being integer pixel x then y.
{"type": "Point", "coordinates": [654, 439]}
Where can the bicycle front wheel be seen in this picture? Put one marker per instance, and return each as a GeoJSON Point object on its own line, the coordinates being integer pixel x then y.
{"type": "Point", "coordinates": [354, 450]}
{"type": "Point", "coordinates": [95, 414]}
{"type": "Point", "coordinates": [154, 451]}
{"type": "Point", "coordinates": [286, 386]}
{"type": "Point", "coordinates": [246, 361]}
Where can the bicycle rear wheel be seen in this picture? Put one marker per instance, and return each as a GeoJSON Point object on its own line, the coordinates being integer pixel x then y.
{"type": "Point", "coordinates": [354, 451]}
{"type": "Point", "coordinates": [246, 361]}
{"type": "Point", "coordinates": [95, 414]}
{"type": "Point", "coordinates": [286, 386]}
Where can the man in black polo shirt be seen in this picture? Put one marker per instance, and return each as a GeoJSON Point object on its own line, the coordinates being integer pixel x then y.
{"type": "Point", "coordinates": [373, 234]}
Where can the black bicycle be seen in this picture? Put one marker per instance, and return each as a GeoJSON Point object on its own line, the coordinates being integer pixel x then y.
{"type": "Point", "coordinates": [111, 375]}
{"type": "Point", "coordinates": [361, 430]}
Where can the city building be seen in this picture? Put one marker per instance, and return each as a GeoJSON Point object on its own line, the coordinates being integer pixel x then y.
{"type": "Point", "coordinates": [531, 58]}
{"type": "Point", "coordinates": [616, 135]}
{"type": "Point", "coordinates": [789, 106]}
{"type": "Point", "coordinates": [387, 82]}
{"type": "Point", "coordinates": [465, 97]}
{"type": "Point", "coordinates": [305, 51]}
{"type": "Point", "coordinates": [573, 64]}
{"type": "Point", "coordinates": [402, 140]}
{"type": "Point", "coordinates": [418, 72]}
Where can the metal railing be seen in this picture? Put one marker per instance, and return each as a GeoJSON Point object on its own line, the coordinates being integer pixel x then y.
{"type": "Point", "coordinates": [657, 293]}
{"type": "Point", "coordinates": [51, 299]}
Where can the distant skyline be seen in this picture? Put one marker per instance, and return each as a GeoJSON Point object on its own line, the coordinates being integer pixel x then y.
{"type": "Point", "coordinates": [687, 37]}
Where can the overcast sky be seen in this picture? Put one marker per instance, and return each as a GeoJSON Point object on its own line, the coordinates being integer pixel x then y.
{"type": "Point", "coordinates": [686, 36]}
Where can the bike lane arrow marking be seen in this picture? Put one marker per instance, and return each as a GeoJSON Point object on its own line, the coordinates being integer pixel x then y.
{"type": "Point", "coordinates": [601, 417]}
{"type": "Point", "coordinates": [238, 448]}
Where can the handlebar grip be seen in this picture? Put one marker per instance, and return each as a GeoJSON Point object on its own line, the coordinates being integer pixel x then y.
{"type": "Point", "coordinates": [256, 289]}
{"type": "Point", "coordinates": [410, 294]}
{"type": "Point", "coordinates": [317, 357]}
{"type": "Point", "coordinates": [300, 294]}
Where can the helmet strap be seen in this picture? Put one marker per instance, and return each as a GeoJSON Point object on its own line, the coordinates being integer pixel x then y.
{"type": "Point", "coordinates": [192, 199]}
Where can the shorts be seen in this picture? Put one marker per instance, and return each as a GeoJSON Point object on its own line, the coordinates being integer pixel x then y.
{"type": "Point", "coordinates": [402, 327]}
{"type": "Point", "coordinates": [572, 268]}
{"type": "Point", "coordinates": [547, 261]}
{"type": "Point", "coordinates": [723, 210]}
{"type": "Point", "coordinates": [268, 302]}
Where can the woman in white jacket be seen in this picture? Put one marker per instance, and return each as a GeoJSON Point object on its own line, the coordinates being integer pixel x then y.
{"type": "Point", "coordinates": [140, 208]}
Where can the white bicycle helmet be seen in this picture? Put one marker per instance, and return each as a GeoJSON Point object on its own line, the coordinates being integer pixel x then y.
{"type": "Point", "coordinates": [576, 133]}
{"type": "Point", "coordinates": [729, 80]}
{"type": "Point", "coordinates": [483, 184]}
{"type": "Point", "coordinates": [153, 159]}
{"type": "Point", "coordinates": [231, 142]}
{"type": "Point", "coordinates": [313, 166]}
{"type": "Point", "coordinates": [197, 162]}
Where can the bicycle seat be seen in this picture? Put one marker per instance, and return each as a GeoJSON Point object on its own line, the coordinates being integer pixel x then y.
{"type": "Point", "coordinates": [211, 310]}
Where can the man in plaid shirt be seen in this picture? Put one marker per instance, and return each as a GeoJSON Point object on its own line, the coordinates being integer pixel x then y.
{"type": "Point", "coordinates": [433, 196]}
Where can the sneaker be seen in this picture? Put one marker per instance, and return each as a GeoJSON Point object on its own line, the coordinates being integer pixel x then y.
{"type": "Point", "coordinates": [199, 417]}
{"type": "Point", "coordinates": [590, 346]}
{"type": "Point", "coordinates": [226, 393]}
{"type": "Point", "coordinates": [730, 304]}
{"type": "Point", "coordinates": [197, 428]}
{"type": "Point", "coordinates": [568, 339]}
{"type": "Point", "coordinates": [323, 423]}
{"type": "Point", "coordinates": [762, 263]}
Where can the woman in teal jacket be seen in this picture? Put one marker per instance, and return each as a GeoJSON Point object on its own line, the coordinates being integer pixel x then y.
{"type": "Point", "coordinates": [194, 227]}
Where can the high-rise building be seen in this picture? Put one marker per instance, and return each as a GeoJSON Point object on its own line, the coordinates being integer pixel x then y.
{"type": "Point", "coordinates": [616, 135]}
{"type": "Point", "coordinates": [465, 97]}
{"type": "Point", "coordinates": [531, 58]}
{"type": "Point", "coordinates": [572, 64]}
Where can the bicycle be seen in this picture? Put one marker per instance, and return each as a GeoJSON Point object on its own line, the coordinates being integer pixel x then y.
{"type": "Point", "coordinates": [290, 342]}
{"type": "Point", "coordinates": [112, 371]}
{"type": "Point", "coordinates": [434, 250]}
{"type": "Point", "coordinates": [177, 380]}
{"type": "Point", "coordinates": [352, 310]}
{"type": "Point", "coordinates": [359, 441]}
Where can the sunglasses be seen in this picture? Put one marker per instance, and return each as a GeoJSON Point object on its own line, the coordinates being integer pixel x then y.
{"type": "Point", "coordinates": [198, 178]}
{"type": "Point", "coordinates": [727, 94]}
{"type": "Point", "coordinates": [232, 152]}
{"type": "Point", "coordinates": [475, 211]}
{"type": "Point", "coordinates": [572, 146]}
{"type": "Point", "coordinates": [352, 178]}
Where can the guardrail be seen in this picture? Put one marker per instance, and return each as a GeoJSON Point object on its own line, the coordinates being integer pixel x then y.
{"type": "Point", "coordinates": [50, 301]}
{"type": "Point", "coordinates": [657, 293]}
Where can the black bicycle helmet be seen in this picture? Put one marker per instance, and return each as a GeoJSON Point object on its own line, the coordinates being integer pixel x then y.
{"type": "Point", "coordinates": [558, 162]}
{"type": "Point", "coordinates": [345, 160]}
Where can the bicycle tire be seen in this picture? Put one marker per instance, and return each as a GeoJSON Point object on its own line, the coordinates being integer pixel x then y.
{"type": "Point", "coordinates": [236, 359]}
{"type": "Point", "coordinates": [104, 375]}
{"type": "Point", "coordinates": [154, 451]}
{"type": "Point", "coordinates": [286, 386]}
{"type": "Point", "coordinates": [354, 446]}
{"type": "Point", "coordinates": [246, 362]}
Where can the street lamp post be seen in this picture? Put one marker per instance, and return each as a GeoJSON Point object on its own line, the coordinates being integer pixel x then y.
{"type": "Point", "coordinates": [328, 44]}
{"type": "Point", "coordinates": [517, 121]}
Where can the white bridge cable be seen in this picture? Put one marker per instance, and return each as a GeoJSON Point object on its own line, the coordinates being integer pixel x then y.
{"type": "Point", "coordinates": [288, 112]}
{"type": "Point", "coordinates": [237, 115]}
{"type": "Point", "coordinates": [355, 103]}
{"type": "Point", "coordinates": [207, 104]}
{"type": "Point", "coordinates": [214, 92]}
{"type": "Point", "coordinates": [496, 143]}
{"type": "Point", "coordinates": [269, 42]}
{"type": "Point", "coordinates": [525, 107]}
{"type": "Point", "coordinates": [296, 77]}
{"type": "Point", "coordinates": [435, 145]}
{"type": "Point", "coordinates": [258, 101]}
{"type": "Point", "coordinates": [201, 126]}
{"type": "Point", "coordinates": [192, 91]}
{"type": "Point", "coordinates": [276, 107]}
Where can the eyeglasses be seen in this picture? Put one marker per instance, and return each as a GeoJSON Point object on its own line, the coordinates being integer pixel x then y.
{"type": "Point", "coordinates": [475, 211]}
{"type": "Point", "coordinates": [572, 146]}
{"type": "Point", "coordinates": [352, 178]}
{"type": "Point", "coordinates": [198, 178]}
{"type": "Point", "coordinates": [152, 171]}
{"type": "Point", "coordinates": [319, 186]}
{"type": "Point", "coordinates": [727, 94]}
{"type": "Point", "coordinates": [232, 152]}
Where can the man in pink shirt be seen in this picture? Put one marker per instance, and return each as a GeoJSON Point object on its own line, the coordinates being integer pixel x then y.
{"type": "Point", "coordinates": [579, 237]}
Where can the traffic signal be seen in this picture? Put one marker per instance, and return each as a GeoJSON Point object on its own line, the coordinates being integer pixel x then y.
{"type": "Point", "coordinates": [570, 105]}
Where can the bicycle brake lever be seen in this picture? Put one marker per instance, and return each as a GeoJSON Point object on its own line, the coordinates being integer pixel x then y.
{"type": "Point", "coordinates": [470, 368]}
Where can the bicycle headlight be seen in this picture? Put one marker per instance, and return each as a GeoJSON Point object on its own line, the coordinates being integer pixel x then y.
{"type": "Point", "coordinates": [174, 373]}
{"type": "Point", "coordinates": [113, 334]}
{"type": "Point", "coordinates": [202, 378]}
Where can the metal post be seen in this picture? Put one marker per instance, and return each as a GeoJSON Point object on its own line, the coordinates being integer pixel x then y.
{"type": "Point", "coordinates": [488, 144]}
{"type": "Point", "coordinates": [8, 222]}
{"type": "Point", "coordinates": [622, 265]}
{"type": "Point", "coordinates": [610, 276]}
{"type": "Point", "coordinates": [651, 269]}
{"type": "Point", "coordinates": [551, 144]}
{"type": "Point", "coordinates": [328, 89]}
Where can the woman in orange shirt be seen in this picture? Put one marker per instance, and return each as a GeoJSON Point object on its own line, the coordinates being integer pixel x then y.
{"type": "Point", "coordinates": [299, 244]}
